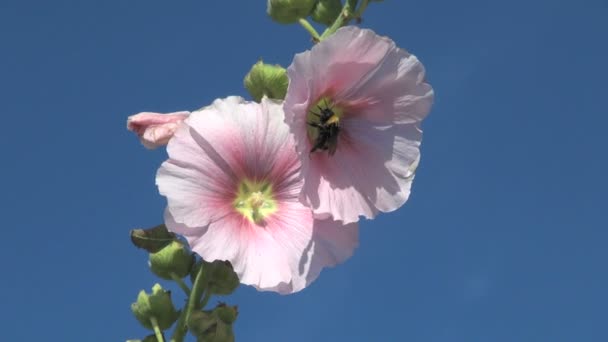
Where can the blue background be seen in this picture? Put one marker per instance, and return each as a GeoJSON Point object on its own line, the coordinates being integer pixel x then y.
{"type": "Point", "coordinates": [504, 238]}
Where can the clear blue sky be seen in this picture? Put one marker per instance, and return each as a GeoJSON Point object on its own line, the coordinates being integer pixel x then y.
{"type": "Point", "coordinates": [503, 240]}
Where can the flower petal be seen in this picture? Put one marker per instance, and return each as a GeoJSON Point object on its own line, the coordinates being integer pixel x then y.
{"type": "Point", "coordinates": [382, 92]}
{"type": "Point", "coordinates": [210, 154]}
{"type": "Point", "coordinates": [332, 244]}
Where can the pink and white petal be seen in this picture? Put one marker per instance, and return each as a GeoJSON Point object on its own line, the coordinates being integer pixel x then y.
{"type": "Point", "coordinates": [337, 63]}
{"type": "Point", "coordinates": [246, 135]}
{"type": "Point", "coordinates": [340, 61]}
{"type": "Point", "coordinates": [193, 197]}
{"type": "Point", "coordinates": [155, 129]}
{"type": "Point", "coordinates": [191, 234]}
{"type": "Point", "coordinates": [210, 153]}
{"type": "Point", "coordinates": [218, 130]}
{"type": "Point", "coordinates": [343, 186]}
{"type": "Point", "coordinates": [266, 257]}
{"type": "Point", "coordinates": [194, 176]}
{"type": "Point", "coordinates": [287, 233]}
{"type": "Point", "coordinates": [395, 92]}
{"type": "Point", "coordinates": [250, 250]}
{"type": "Point", "coordinates": [138, 123]}
{"type": "Point", "coordinates": [332, 244]}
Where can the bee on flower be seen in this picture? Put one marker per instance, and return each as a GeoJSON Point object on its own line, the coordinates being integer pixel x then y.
{"type": "Point", "coordinates": [354, 104]}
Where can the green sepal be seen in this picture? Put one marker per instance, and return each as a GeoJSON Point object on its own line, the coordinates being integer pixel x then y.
{"type": "Point", "coordinates": [219, 275]}
{"type": "Point", "coordinates": [152, 239]}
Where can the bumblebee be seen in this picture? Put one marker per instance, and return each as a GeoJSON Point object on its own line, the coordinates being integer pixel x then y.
{"type": "Point", "coordinates": [328, 129]}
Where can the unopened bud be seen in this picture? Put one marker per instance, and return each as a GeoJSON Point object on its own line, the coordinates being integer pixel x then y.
{"type": "Point", "coordinates": [155, 129]}
{"type": "Point", "coordinates": [156, 305]}
{"type": "Point", "coordinates": [326, 11]}
{"type": "Point", "coordinates": [226, 313]}
{"type": "Point", "coordinates": [289, 11]}
{"type": "Point", "coordinates": [221, 278]}
{"type": "Point", "coordinates": [173, 260]}
{"type": "Point", "coordinates": [215, 325]}
{"type": "Point", "coordinates": [266, 79]}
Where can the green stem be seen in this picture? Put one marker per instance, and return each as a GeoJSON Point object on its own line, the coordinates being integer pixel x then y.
{"type": "Point", "coordinates": [342, 19]}
{"type": "Point", "coordinates": [181, 283]}
{"type": "Point", "coordinates": [361, 9]}
{"type": "Point", "coordinates": [157, 332]}
{"type": "Point", "coordinates": [205, 299]}
{"type": "Point", "coordinates": [306, 25]}
{"type": "Point", "coordinates": [195, 296]}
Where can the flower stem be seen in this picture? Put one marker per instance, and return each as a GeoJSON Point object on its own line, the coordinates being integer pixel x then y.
{"type": "Point", "coordinates": [157, 332]}
{"type": "Point", "coordinates": [306, 25]}
{"type": "Point", "coordinates": [205, 299]}
{"type": "Point", "coordinates": [181, 283]}
{"type": "Point", "coordinates": [342, 19]}
{"type": "Point", "coordinates": [361, 9]}
{"type": "Point", "coordinates": [195, 296]}
{"type": "Point", "coordinates": [348, 13]}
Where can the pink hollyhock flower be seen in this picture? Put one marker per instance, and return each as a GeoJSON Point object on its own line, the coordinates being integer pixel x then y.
{"type": "Point", "coordinates": [354, 104]}
{"type": "Point", "coordinates": [232, 183]}
{"type": "Point", "coordinates": [154, 129]}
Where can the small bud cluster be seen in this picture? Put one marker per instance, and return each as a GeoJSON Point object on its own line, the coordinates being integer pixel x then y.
{"type": "Point", "coordinates": [170, 259]}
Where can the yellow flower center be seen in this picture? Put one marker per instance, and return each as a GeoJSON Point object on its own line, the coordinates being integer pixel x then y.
{"type": "Point", "coordinates": [255, 201]}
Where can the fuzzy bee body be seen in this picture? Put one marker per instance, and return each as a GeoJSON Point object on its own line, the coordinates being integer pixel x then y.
{"type": "Point", "coordinates": [328, 129]}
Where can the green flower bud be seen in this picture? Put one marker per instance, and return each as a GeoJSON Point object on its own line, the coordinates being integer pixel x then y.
{"type": "Point", "coordinates": [326, 11]}
{"type": "Point", "coordinates": [289, 11]}
{"type": "Point", "coordinates": [215, 325]}
{"type": "Point", "coordinates": [226, 313]}
{"type": "Point", "coordinates": [219, 275]}
{"type": "Point", "coordinates": [158, 305]}
{"type": "Point", "coordinates": [172, 259]}
{"type": "Point", "coordinates": [265, 79]}
{"type": "Point", "coordinates": [200, 322]}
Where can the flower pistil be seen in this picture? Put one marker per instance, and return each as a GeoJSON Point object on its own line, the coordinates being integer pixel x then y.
{"type": "Point", "coordinates": [255, 201]}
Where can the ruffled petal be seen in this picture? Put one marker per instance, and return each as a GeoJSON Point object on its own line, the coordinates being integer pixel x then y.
{"type": "Point", "coordinates": [332, 244]}
{"type": "Point", "coordinates": [345, 187]}
{"type": "Point", "coordinates": [266, 257]}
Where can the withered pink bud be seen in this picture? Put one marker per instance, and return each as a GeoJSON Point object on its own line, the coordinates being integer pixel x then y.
{"type": "Point", "coordinates": [155, 129]}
